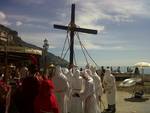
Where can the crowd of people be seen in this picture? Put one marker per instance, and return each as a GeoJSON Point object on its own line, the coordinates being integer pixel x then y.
{"type": "Point", "coordinates": [60, 90]}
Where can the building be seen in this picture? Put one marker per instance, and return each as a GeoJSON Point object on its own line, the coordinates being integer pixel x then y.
{"type": "Point", "coordinates": [15, 51]}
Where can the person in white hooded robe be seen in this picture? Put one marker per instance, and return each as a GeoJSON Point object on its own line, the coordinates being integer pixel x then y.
{"type": "Point", "coordinates": [77, 86]}
{"type": "Point", "coordinates": [69, 76]}
{"type": "Point", "coordinates": [98, 84]}
{"type": "Point", "coordinates": [88, 95]}
{"type": "Point", "coordinates": [61, 89]}
{"type": "Point", "coordinates": [110, 90]}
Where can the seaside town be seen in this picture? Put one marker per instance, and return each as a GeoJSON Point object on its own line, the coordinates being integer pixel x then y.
{"type": "Point", "coordinates": [33, 79]}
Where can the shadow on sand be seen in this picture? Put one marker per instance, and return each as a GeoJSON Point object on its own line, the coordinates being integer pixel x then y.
{"type": "Point", "coordinates": [133, 99]}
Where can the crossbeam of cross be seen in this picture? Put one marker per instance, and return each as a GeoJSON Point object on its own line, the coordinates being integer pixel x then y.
{"type": "Point", "coordinates": [72, 28]}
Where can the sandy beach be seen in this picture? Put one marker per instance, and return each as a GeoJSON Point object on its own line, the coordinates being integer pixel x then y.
{"type": "Point", "coordinates": [124, 106]}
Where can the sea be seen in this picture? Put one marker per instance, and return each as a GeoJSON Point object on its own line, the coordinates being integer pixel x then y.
{"type": "Point", "coordinates": [123, 69]}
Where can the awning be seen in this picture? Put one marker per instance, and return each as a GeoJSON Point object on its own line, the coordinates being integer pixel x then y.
{"type": "Point", "coordinates": [18, 49]}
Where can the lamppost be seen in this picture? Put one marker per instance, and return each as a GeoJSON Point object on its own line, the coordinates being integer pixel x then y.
{"type": "Point", "coordinates": [45, 48]}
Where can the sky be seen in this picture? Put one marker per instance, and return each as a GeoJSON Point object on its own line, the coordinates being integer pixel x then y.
{"type": "Point", "coordinates": [123, 27]}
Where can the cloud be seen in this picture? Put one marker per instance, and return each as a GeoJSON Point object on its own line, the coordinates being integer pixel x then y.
{"type": "Point", "coordinates": [2, 15]}
{"type": "Point", "coordinates": [26, 18]}
{"type": "Point", "coordinates": [91, 45]}
{"type": "Point", "coordinates": [36, 26]}
{"type": "Point", "coordinates": [36, 2]}
{"type": "Point", "coordinates": [89, 13]}
{"type": "Point", "coordinates": [57, 41]}
{"type": "Point", "coordinates": [87, 21]}
{"type": "Point", "coordinates": [88, 46]}
{"type": "Point", "coordinates": [92, 11]}
{"type": "Point", "coordinates": [19, 23]}
{"type": "Point", "coordinates": [30, 21]}
{"type": "Point", "coordinates": [3, 19]}
{"type": "Point", "coordinates": [130, 7]}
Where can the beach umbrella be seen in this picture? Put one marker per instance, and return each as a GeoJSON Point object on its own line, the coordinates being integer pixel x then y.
{"type": "Point", "coordinates": [142, 65]}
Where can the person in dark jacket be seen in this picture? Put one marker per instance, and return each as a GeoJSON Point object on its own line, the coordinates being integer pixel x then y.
{"type": "Point", "coordinates": [26, 93]}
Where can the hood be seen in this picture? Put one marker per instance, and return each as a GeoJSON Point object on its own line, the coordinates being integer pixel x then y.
{"type": "Point", "coordinates": [58, 70]}
{"type": "Point", "coordinates": [77, 73]}
{"type": "Point", "coordinates": [88, 66]}
{"type": "Point", "coordinates": [107, 72]}
{"type": "Point", "coordinates": [93, 69]}
{"type": "Point", "coordinates": [65, 71]}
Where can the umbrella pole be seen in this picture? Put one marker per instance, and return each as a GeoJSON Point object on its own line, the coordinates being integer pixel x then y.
{"type": "Point", "coordinates": [142, 75]}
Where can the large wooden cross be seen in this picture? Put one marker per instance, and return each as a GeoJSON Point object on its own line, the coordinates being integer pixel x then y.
{"type": "Point", "coordinates": [72, 28]}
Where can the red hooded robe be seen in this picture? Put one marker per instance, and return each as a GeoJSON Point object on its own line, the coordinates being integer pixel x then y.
{"type": "Point", "coordinates": [46, 101]}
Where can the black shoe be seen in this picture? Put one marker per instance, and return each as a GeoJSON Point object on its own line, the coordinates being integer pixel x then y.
{"type": "Point", "coordinates": [112, 110]}
{"type": "Point", "coordinates": [107, 110]}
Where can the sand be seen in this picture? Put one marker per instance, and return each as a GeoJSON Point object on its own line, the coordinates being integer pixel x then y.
{"type": "Point", "coordinates": [123, 106]}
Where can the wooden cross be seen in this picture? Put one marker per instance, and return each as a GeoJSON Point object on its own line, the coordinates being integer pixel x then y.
{"type": "Point", "coordinates": [72, 28]}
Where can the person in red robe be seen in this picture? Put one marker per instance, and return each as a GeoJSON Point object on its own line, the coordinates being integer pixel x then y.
{"type": "Point", "coordinates": [46, 101]}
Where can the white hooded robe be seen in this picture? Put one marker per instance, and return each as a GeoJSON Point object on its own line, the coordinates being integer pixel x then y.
{"type": "Point", "coordinates": [61, 89]}
{"type": "Point", "coordinates": [89, 97]}
{"type": "Point", "coordinates": [76, 85]}
{"type": "Point", "coordinates": [69, 76]}
{"type": "Point", "coordinates": [109, 87]}
{"type": "Point", "coordinates": [98, 84]}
